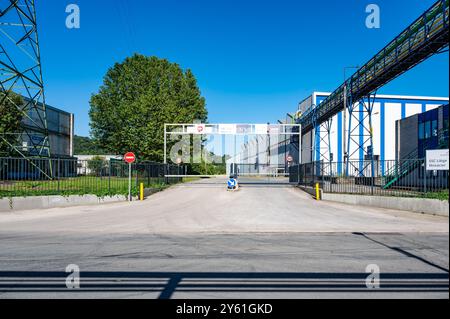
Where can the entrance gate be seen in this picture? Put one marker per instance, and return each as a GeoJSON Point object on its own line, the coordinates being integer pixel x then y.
{"type": "Point", "coordinates": [249, 151]}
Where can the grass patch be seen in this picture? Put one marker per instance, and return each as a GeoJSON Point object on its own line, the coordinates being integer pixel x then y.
{"type": "Point", "coordinates": [443, 196]}
{"type": "Point", "coordinates": [83, 185]}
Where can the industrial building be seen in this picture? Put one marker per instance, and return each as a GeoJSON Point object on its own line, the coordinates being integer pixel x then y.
{"type": "Point", "coordinates": [83, 162]}
{"type": "Point", "coordinates": [59, 135]}
{"type": "Point", "coordinates": [415, 135]}
{"type": "Point", "coordinates": [418, 133]}
{"type": "Point", "coordinates": [60, 126]}
{"type": "Point", "coordinates": [269, 150]}
{"type": "Point", "coordinates": [262, 154]}
{"type": "Point", "coordinates": [318, 145]}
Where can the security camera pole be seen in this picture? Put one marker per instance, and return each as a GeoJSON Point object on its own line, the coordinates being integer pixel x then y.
{"type": "Point", "coordinates": [129, 158]}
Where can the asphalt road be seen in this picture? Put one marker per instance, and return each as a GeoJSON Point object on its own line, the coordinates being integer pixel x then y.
{"type": "Point", "coordinates": [197, 240]}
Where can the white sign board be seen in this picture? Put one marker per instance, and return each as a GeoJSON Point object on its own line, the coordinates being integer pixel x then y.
{"type": "Point", "coordinates": [274, 129]}
{"type": "Point", "coordinates": [437, 160]}
{"type": "Point", "coordinates": [261, 129]}
{"type": "Point", "coordinates": [199, 129]}
{"type": "Point", "coordinates": [227, 128]}
{"type": "Point", "coordinates": [191, 130]}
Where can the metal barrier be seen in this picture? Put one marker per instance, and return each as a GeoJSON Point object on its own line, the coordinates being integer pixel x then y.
{"type": "Point", "coordinates": [57, 176]}
{"type": "Point", "coordinates": [406, 178]}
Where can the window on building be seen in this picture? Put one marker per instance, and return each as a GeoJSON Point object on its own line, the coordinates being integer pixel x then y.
{"type": "Point", "coordinates": [421, 131]}
{"type": "Point", "coordinates": [427, 129]}
{"type": "Point", "coordinates": [443, 136]}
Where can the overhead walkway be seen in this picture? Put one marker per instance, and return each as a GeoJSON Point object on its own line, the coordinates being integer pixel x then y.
{"type": "Point", "coordinates": [426, 36]}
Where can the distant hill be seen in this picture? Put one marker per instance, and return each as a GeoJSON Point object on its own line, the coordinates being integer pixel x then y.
{"type": "Point", "coordinates": [86, 146]}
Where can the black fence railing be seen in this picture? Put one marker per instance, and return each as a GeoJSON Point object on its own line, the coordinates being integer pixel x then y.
{"type": "Point", "coordinates": [43, 176]}
{"type": "Point", "coordinates": [406, 178]}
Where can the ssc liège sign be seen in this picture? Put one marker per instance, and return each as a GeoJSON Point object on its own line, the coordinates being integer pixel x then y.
{"type": "Point", "coordinates": [437, 160]}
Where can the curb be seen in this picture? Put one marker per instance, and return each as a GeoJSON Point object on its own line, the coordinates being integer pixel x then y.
{"type": "Point", "coordinates": [55, 201]}
{"type": "Point", "coordinates": [414, 205]}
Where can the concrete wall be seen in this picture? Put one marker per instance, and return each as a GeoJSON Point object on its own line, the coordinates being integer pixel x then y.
{"type": "Point", "coordinates": [42, 202]}
{"type": "Point", "coordinates": [416, 205]}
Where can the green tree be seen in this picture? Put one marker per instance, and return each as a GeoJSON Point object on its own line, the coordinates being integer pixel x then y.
{"type": "Point", "coordinates": [137, 97]}
{"type": "Point", "coordinates": [85, 146]}
{"type": "Point", "coordinates": [10, 121]}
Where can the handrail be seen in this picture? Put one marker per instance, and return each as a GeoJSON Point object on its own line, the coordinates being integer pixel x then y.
{"type": "Point", "coordinates": [409, 162]}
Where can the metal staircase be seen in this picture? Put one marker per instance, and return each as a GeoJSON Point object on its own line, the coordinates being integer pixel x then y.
{"type": "Point", "coordinates": [411, 162]}
{"type": "Point", "coordinates": [402, 169]}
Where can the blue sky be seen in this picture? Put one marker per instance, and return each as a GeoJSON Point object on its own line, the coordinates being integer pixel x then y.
{"type": "Point", "coordinates": [254, 60]}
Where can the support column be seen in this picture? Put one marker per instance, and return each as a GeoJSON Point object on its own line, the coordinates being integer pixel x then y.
{"type": "Point", "coordinates": [360, 137]}
{"type": "Point", "coordinates": [323, 144]}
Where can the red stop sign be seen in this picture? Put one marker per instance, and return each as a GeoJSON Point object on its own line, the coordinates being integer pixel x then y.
{"type": "Point", "coordinates": [129, 157]}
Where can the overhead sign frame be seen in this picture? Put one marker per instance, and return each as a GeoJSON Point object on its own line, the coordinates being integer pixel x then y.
{"type": "Point", "coordinates": [238, 129]}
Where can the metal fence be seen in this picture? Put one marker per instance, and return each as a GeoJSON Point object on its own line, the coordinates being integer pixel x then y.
{"type": "Point", "coordinates": [40, 176]}
{"type": "Point", "coordinates": [256, 169]}
{"type": "Point", "coordinates": [406, 178]}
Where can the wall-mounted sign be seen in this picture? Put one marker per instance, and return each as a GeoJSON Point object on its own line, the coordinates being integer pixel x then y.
{"type": "Point", "coordinates": [437, 160]}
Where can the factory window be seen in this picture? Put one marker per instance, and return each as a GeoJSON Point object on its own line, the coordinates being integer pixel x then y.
{"type": "Point", "coordinates": [427, 129]}
{"type": "Point", "coordinates": [421, 131]}
{"type": "Point", "coordinates": [434, 128]}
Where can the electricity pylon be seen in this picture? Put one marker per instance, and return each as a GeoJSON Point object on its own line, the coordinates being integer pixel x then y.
{"type": "Point", "coordinates": [21, 74]}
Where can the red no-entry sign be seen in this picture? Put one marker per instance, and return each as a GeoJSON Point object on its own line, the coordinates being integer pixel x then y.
{"type": "Point", "coordinates": [200, 128]}
{"type": "Point", "coordinates": [129, 157]}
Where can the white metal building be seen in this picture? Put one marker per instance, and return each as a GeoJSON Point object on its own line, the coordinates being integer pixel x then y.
{"type": "Point", "coordinates": [387, 109]}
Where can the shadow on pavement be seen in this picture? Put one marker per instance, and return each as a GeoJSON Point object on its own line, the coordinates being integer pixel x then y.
{"type": "Point", "coordinates": [167, 283]}
{"type": "Point", "coordinates": [403, 252]}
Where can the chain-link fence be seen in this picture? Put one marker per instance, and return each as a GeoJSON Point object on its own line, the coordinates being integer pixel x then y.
{"type": "Point", "coordinates": [44, 176]}
{"type": "Point", "coordinates": [407, 178]}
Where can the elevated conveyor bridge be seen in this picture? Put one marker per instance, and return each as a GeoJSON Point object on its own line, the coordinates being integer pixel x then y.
{"type": "Point", "coordinates": [425, 37]}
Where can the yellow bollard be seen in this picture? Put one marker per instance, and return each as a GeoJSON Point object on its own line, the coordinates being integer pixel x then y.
{"type": "Point", "coordinates": [141, 191]}
{"type": "Point", "coordinates": [317, 191]}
